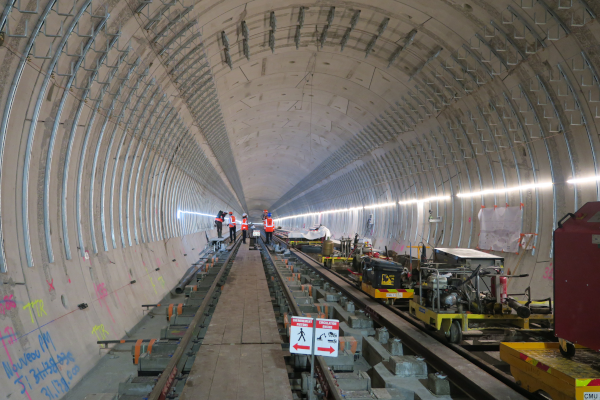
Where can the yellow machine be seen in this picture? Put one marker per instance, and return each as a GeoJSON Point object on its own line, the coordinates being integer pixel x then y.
{"type": "Point", "coordinates": [539, 366]}
{"type": "Point", "coordinates": [303, 242]}
{"type": "Point", "coordinates": [452, 296]}
{"type": "Point", "coordinates": [454, 324]}
{"type": "Point", "coordinates": [384, 279]}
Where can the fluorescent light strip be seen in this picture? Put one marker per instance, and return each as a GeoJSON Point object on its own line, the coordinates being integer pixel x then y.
{"type": "Point", "coordinates": [437, 198]}
{"type": "Point", "coordinates": [506, 190]}
{"type": "Point", "coordinates": [584, 180]}
{"type": "Point", "coordinates": [379, 205]}
{"type": "Point", "coordinates": [179, 212]}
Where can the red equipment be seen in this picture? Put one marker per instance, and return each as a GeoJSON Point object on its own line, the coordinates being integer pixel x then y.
{"type": "Point", "coordinates": [577, 277]}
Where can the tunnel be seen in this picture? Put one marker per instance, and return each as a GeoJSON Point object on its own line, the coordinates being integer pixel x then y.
{"type": "Point", "coordinates": [126, 126]}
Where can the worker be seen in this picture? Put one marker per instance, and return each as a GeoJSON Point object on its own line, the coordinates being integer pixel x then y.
{"type": "Point", "coordinates": [244, 227]}
{"type": "Point", "coordinates": [269, 228]}
{"type": "Point", "coordinates": [264, 215]}
{"type": "Point", "coordinates": [219, 224]}
{"type": "Point", "coordinates": [231, 223]}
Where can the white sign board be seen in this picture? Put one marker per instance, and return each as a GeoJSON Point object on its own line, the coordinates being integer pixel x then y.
{"type": "Point", "coordinates": [327, 337]}
{"type": "Point", "coordinates": [301, 334]}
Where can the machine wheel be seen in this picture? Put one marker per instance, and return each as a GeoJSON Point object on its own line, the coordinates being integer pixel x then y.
{"type": "Point", "coordinates": [455, 334]}
{"type": "Point", "coordinates": [570, 350]}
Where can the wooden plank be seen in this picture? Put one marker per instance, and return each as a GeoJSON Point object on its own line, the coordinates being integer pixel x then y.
{"type": "Point", "coordinates": [251, 373]}
{"type": "Point", "coordinates": [199, 382]}
{"type": "Point", "coordinates": [275, 373]}
{"type": "Point", "coordinates": [226, 376]}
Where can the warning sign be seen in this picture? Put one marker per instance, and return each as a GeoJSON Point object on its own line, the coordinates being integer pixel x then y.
{"type": "Point", "coordinates": [301, 335]}
{"type": "Point", "coordinates": [387, 279]}
{"type": "Point", "coordinates": [327, 337]}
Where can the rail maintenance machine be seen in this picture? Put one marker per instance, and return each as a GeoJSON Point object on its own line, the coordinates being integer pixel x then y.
{"type": "Point", "coordinates": [464, 291]}
{"type": "Point", "coordinates": [386, 280]}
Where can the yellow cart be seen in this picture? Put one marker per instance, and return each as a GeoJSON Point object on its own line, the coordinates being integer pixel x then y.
{"type": "Point", "coordinates": [541, 367]}
{"type": "Point", "coordinates": [454, 324]}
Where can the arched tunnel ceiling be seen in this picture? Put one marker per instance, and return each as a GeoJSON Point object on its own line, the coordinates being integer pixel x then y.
{"type": "Point", "coordinates": [260, 105]}
{"type": "Point", "coordinates": [298, 97]}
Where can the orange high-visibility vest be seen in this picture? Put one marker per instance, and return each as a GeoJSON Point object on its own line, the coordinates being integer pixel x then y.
{"type": "Point", "coordinates": [232, 221]}
{"type": "Point", "coordinates": [269, 225]}
{"type": "Point", "coordinates": [245, 224]}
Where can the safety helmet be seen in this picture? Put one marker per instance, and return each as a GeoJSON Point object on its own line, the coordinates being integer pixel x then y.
{"type": "Point", "coordinates": [230, 212]}
{"type": "Point", "coordinates": [244, 215]}
{"type": "Point", "coordinates": [269, 214]}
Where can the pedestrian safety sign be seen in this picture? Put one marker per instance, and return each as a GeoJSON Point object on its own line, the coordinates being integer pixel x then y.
{"type": "Point", "coordinates": [301, 334]}
{"type": "Point", "coordinates": [325, 332]}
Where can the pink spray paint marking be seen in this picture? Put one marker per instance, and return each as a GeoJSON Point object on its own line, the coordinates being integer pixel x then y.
{"type": "Point", "coordinates": [469, 219]}
{"type": "Point", "coordinates": [50, 285]}
{"type": "Point", "coordinates": [549, 273]}
{"type": "Point", "coordinates": [101, 294]}
{"type": "Point", "coordinates": [12, 339]}
{"type": "Point", "coordinates": [8, 304]}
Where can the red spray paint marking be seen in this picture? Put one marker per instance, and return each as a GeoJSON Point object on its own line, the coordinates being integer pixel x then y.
{"type": "Point", "coordinates": [102, 293]}
{"type": "Point", "coordinates": [10, 358]}
{"type": "Point", "coordinates": [469, 219]}
{"type": "Point", "coordinates": [50, 285]}
{"type": "Point", "coordinates": [69, 278]}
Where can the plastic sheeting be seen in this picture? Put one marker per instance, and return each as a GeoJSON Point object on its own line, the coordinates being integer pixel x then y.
{"type": "Point", "coordinates": [310, 234]}
{"type": "Point", "coordinates": [500, 228]}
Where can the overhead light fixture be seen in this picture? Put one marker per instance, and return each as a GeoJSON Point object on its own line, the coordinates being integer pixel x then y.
{"type": "Point", "coordinates": [428, 199]}
{"type": "Point", "coordinates": [585, 180]}
{"type": "Point", "coordinates": [506, 190]}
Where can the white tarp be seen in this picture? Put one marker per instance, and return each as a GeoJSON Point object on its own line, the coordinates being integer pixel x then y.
{"type": "Point", "coordinates": [310, 234]}
{"type": "Point", "coordinates": [500, 228]}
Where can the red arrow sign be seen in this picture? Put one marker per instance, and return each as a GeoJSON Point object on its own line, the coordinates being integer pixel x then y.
{"type": "Point", "coordinates": [330, 349]}
{"type": "Point", "coordinates": [297, 346]}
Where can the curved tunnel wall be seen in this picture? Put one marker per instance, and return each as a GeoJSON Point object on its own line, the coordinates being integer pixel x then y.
{"type": "Point", "coordinates": [502, 110]}
{"type": "Point", "coordinates": [98, 156]}
{"type": "Point", "coordinates": [115, 115]}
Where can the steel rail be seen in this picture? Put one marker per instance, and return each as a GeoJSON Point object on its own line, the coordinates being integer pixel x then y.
{"type": "Point", "coordinates": [464, 373]}
{"type": "Point", "coordinates": [157, 392]}
{"type": "Point", "coordinates": [294, 306]}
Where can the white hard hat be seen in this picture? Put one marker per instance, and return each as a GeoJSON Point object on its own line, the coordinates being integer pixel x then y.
{"type": "Point", "coordinates": [244, 215]}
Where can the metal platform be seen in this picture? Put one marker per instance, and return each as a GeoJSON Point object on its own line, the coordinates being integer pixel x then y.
{"type": "Point", "coordinates": [540, 366]}
{"type": "Point", "coordinates": [241, 355]}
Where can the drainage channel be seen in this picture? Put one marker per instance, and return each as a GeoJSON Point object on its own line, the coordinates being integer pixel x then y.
{"type": "Point", "coordinates": [164, 363]}
{"type": "Point", "coordinates": [374, 361]}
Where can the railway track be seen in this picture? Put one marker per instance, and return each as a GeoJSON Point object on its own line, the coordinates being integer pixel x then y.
{"type": "Point", "coordinates": [473, 375]}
